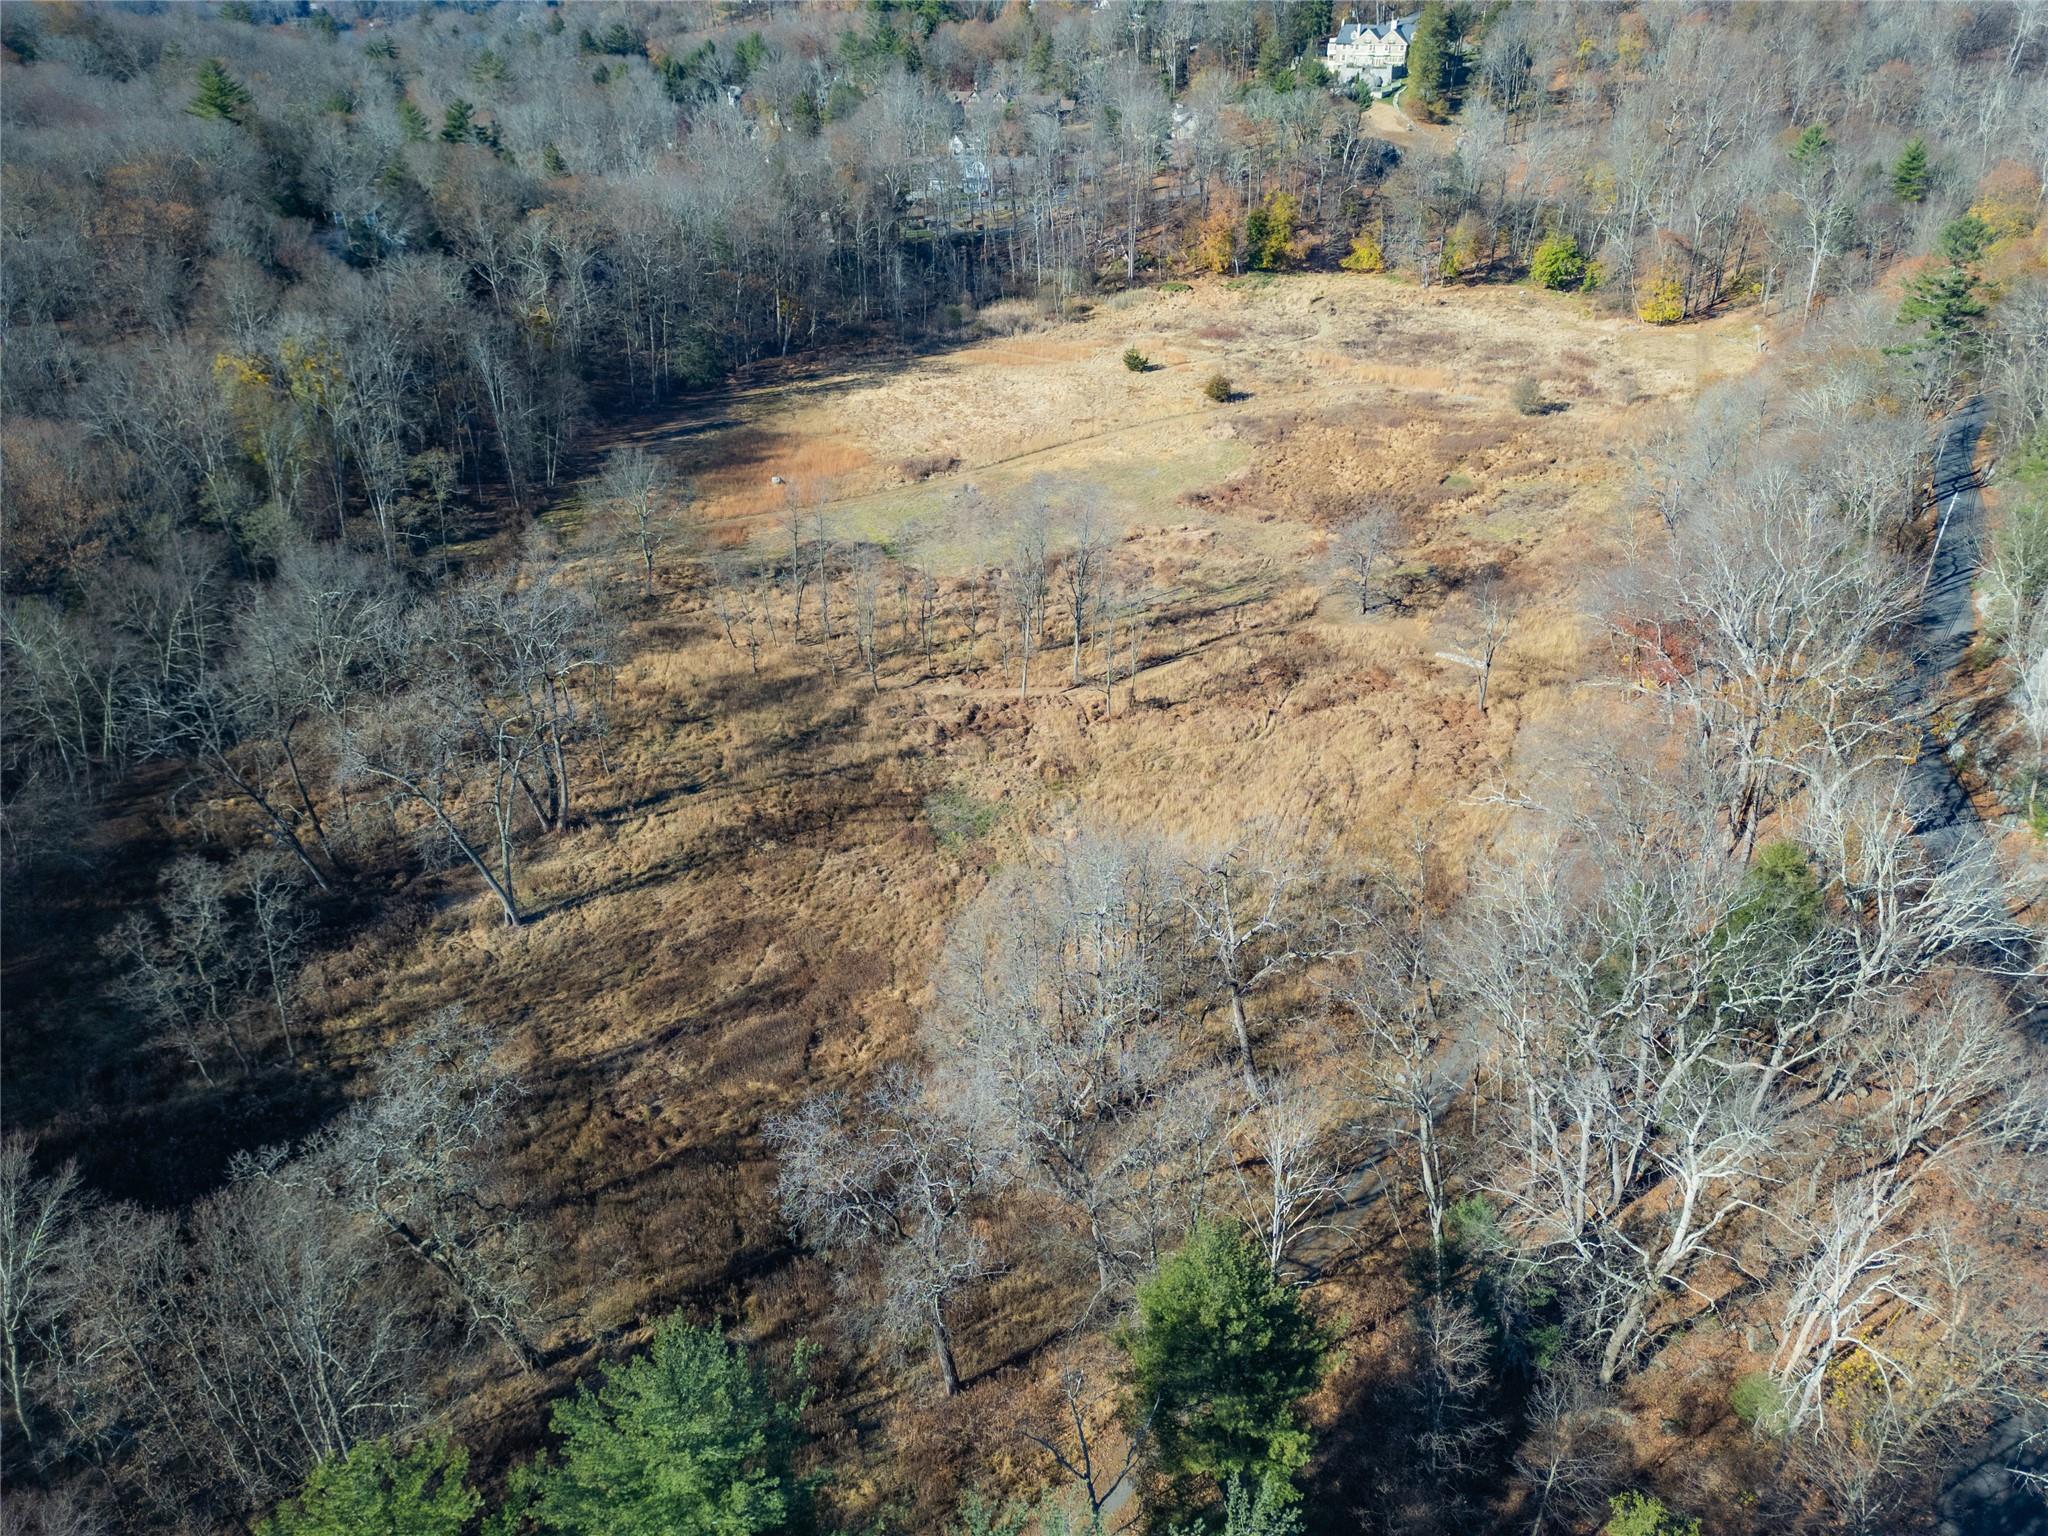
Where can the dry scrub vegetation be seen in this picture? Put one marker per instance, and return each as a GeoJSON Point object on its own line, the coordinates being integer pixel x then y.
{"type": "Point", "coordinates": [1367, 608]}
{"type": "Point", "coordinates": [749, 910]}
{"type": "Point", "coordinates": [625, 764]}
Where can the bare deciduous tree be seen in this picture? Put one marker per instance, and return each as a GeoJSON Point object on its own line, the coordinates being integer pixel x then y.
{"type": "Point", "coordinates": [279, 924]}
{"type": "Point", "coordinates": [1025, 577]}
{"type": "Point", "coordinates": [637, 489]}
{"type": "Point", "coordinates": [440, 747]}
{"type": "Point", "coordinates": [2027, 647]}
{"type": "Point", "coordinates": [533, 640]}
{"type": "Point", "coordinates": [1076, 1441]}
{"type": "Point", "coordinates": [418, 1157]}
{"type": "Point", "coordinates": [1711, 1145]}
{"type": "Point", "coordinates": [231, 1352]}
{"type": "Point", "coordinates": [1570, 1456]}
{"type": "Point", "coordinates": [1360, 547]}
{"type": "Point", "coordinates": [900, 1177]}
{"type": "Point", "coordinates": [866, 575]}
{"type": "Point", "coordinates": [1389, 998]}
{"type": "Point", "coordinates": [39, 1238]}
{"type": "Point", "coordinates": [1291, 1132]}
{"type": "Point", "coordinates": [1049, 1032]}
{"type": "Point", "coordinates": [1785, 601]}
{"type": "Point", "coordinates": [1085, 552]}
{"type": "Point", "coordinates": [1246, 906]}
{"type": "Point", "coordinates": [1486, 624]}
{"type": "Point", "coordinates": [188, 975]}
{"type": "Point", "coordinates": [1452, 1351]}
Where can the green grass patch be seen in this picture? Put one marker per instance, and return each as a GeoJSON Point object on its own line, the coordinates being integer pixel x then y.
{"type": "Point", "coordinates": [958, 817]}
{"type": "Point", "coordinates": [1759, 1401]}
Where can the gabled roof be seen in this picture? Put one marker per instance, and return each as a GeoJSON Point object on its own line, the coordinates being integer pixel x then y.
{"type": "Point", "coordinates": [1364, 31]}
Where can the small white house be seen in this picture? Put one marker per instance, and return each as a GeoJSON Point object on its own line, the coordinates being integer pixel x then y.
{"type": "Point", "coordinates": [1376, 51]}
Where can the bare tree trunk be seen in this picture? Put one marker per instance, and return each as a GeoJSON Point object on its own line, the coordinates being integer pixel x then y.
{"type": "Point", "coordinates": [279, 827]}
{"type": "Point", "coordinates": [1024, 652]}
{"type": "Point", "coordinates": [312, 813]}
{"type": "Point", "coordinates": [942, 1347]}
{"type": "Point", "coordinates": [506, 903]}
{"type": "Point", "coordinates": [1244, 1042]}
{"type": "Point", "coordinates": [1618, 1341]}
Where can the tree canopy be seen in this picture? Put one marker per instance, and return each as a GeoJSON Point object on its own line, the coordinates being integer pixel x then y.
{"type": "Point", "coordinates": [1432, 61]}
{"type": "Point", "coordinates": [1948, 300]}
{"type": "Point", "coordinates": [1910, 174]}
{"type": "Point", "coordinates": [690, 1439]}
{"type": "Point", "coordinates": [1221, 1355]}
{"type": "Point", "coordinates": [220, 96]}
{"type": "Point", "coordinates": [377, 1490]}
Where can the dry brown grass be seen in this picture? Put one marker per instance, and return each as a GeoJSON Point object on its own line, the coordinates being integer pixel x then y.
{"type": "Point", "coordinates": [750, 911]}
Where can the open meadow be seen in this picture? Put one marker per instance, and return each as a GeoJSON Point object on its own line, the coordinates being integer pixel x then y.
{"type": "Point", "coordinates": [749, 911]}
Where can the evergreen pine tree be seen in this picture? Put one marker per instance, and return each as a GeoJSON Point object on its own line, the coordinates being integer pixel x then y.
{"type": "Point", "coordinates": [551, 162]}
{"type": "Point", "coordinates": [1221, 1357]}
{"type": "Point", "coordinates": [221, 96]}
{"type": "Point", "coordinates": [1962, 241]}
{"type": "Point", "coordinates": [1040, 61]}
{"type": "Point", "coordinates": [1307, 23]}
{"type": "Point", "coordinates": [1274, 62]}
{"type": "Point", "coordinates": [688, 1440]}
{"type": "Point", "coordinates": [748, 55]}
{"type": "Point", "coordinates": [1812, 146]}
{"type": "Point", "coordinates": [375, 1491]}
{"type": "Point", "coordinates": [1910, 176]}
{"type": "Point", "coordinates": [412, 123]}
{"type": "Point", "coordinates": [458, 122]}
{"type": "Point", "coordinates": [1432, 61]}
{"type": "Point", "coordinates": [1949, 299]}
{"type": "Point", "coordinates": [489, 69]}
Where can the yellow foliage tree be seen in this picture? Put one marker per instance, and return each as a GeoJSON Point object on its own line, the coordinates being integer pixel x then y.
{"type": "Point", "coordinates": [312, 372]}
{"type": "Point", "coordinates": [1367, 254]}
{"type": "Point", "coordinates": [1661, 299]}
{"type": "Point", "coordinates": [1631, 45]}
{"type": "Point", "coordinates": [1269, 236]}
{"type": "Point", "coordinates": [2008, 200]}
{"type": "Point", "coordinates": [1461, 247]}
{"type": "Point", "coordinates": [244, 381]}
{"type": "Point", "coordinates": [233, 371]}
{"type": "Point", "coordinates": [1215, 245]}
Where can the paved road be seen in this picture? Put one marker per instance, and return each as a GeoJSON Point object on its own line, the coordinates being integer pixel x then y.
{"type": "Point", "coordinates": [1986, 1500]}
{"type": "Point", "coordinates": [1942, 628]}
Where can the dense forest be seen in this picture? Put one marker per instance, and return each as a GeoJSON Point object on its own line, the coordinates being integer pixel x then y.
{"type": "Point", "coordinates": [589, 950]}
